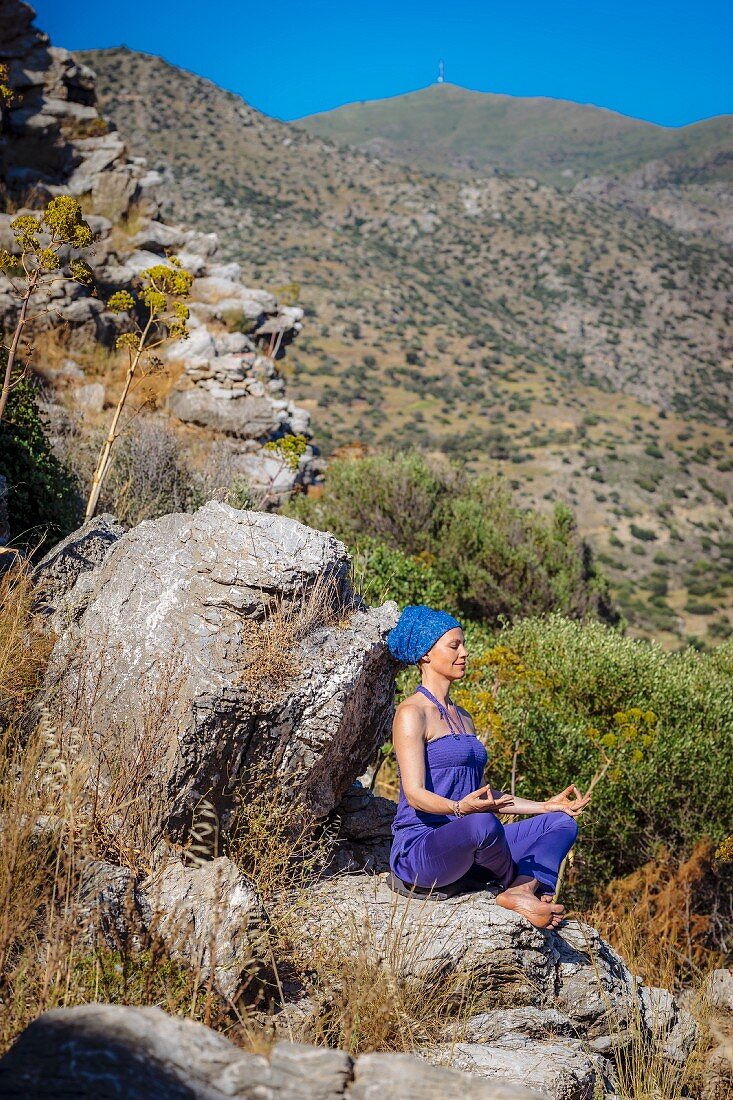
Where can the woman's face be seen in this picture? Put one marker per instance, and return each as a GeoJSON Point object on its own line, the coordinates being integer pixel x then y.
{"type": "Point", "coordinates": [448, 655]}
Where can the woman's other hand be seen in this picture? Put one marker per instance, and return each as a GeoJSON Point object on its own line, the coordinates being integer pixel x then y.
{"type": "Point", "coordinates": [484, 800]}
{"type": "Point", "coordinates": [570, 801]}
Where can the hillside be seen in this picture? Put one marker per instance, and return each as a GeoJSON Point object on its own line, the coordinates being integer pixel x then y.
{"type": "Point", "coordinates": [583, 348]}
{"type": "Point", "coordinates": [448, 128]}
{"type": "Point", "coordinates": [679, 175]}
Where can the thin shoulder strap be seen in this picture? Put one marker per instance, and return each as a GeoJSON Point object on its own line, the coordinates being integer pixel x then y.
{"type": "Point", "coordinates": [442, 710]}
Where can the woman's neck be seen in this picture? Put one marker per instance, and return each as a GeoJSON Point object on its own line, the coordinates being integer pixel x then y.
{"type": "Point", "coordinates": [437, 685]}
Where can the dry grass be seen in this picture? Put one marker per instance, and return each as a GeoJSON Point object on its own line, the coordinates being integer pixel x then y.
{"type": "Point", "coordinates": [24, 644]}
{"type": "Point", "coordinates": [364, 983]}
{"type": "Point", "coordinates": [642, 1069]}
{"type": "Point", "coordinates": [660, 918]}
{"type": "Point", "coordinates": [273, 643]}
{"type": "Point", "coordinates": [276, 840]}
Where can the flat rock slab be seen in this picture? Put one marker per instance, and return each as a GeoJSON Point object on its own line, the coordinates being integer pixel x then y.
{"type": "Point", "coordinates": [563, 1070]}
{"type": "Point", "coordinates": [567, 983]}
{"type": "Point", "coordinates": [113, 1052]}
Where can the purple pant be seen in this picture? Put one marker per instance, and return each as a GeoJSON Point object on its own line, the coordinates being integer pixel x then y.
{"type": "Point", "coordinates": [479, 843]}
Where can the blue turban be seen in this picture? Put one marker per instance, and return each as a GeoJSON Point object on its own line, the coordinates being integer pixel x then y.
{"type": "Point", "coordinates": [417, 631]}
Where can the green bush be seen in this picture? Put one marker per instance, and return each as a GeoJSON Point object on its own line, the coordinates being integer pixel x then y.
{"type": "Point", "coordinates": [643, 533]}
{"type": "Point", "coordinates": [664, 721]}
{"type": "Point", "coordinates": [43, 502]}
{"type": "Point", "coordinates": [473, 548]}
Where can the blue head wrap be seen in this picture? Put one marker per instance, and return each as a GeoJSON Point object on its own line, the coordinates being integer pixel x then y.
{"type": "Point", "coordinates": [417, 631]}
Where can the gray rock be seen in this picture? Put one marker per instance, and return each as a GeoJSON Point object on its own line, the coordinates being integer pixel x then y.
{"type": "Point", "coordinates": [596, 989]}
{"type": "Point", "coordinates": [246, 418]}
{"type": "Point", "coordinates": [80, 552]}
{"type": "Point", "coordinates": [113, 192]}
{"type": "Point", "coordinates": [533, 1023]}
{"type": "Point", "coordinates": [90, 398]}
{"type": "Point", "coordinates": [470, 936]}
{"type": "Point", "coordinates": [115, 1052]}
{"type": "Point", "coordinates": [364, 831]}
{"type": "Point", "coordinates": [397, 1077]}
{"type": "Point", "coordinates": [158, 237]}
{"type": "Point", "coordinates": [110, 902]}
{"type": "Point", "coordinates": [719, 989]}
{"type": "Point", "coordinates": [176, 593]}
{"type": "Point", "coordinates": [562, 1070]}
{"type": "Point", "coordinates": [208, 916]}
{"type": "Point", "coordinates": [568, 983]}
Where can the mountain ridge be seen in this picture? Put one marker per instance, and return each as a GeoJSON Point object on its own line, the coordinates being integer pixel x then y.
{"type": "Point", "coordinates": [464, 130]}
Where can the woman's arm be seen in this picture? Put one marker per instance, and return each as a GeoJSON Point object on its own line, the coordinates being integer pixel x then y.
{"type": "Point", "coordinates": [523, 805]}
{"type": "Point", "coordinates": [573, 806]}
{"type": "Point", "coordinates": [408, 738]}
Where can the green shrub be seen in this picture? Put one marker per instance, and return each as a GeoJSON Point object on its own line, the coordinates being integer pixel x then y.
{"type": "Point", "coordinates": [43, 501]}
{"type": "Point", "coordinates": [643, 533]}
{"type": "Point", "coordinates": [479, 551]}
{"type": "Point", "coordinates": [664, 721]}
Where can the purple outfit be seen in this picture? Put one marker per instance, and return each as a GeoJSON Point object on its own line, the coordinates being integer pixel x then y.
{"type": "Point", "coordinates": [433, 850]}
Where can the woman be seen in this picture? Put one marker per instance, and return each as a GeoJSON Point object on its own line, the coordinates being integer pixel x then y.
{"type": "Point", "coordinates": [446, 824]}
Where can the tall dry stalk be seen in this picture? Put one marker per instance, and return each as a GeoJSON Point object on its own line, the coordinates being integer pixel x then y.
{"type": "Point", "coordinates": [163, 290]}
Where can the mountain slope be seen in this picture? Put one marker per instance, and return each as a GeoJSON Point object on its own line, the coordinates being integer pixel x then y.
{"type": "Point", "coordinates": [585, 349]}
{"type": "Point", "coordinates": [445, 128]}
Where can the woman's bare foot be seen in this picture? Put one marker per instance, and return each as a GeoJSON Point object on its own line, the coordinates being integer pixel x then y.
{"type": "Point", "coordinates": [541, 912]}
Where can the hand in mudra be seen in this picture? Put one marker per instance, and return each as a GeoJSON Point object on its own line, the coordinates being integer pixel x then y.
{"type": "Point", "coordinates": [483, 801]}
{"type": "Point", "coordinates": [573, 806]}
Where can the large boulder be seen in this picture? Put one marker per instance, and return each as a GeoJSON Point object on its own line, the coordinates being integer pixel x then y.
{"type": "Point", "coordinates": [246, 623]}
{"type": "Point", "coordinates": [564, 1070]}
{"type": "Point", "coordinates": [210, 917]}
{"type": "Point", "coordinates": [114, 1052]}
{"type": "Point", "coordinates": [564, 1002]}
{"type": "Point", "coordinates": [206, 915]}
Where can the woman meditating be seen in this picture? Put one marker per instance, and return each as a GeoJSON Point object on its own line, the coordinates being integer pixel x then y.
{"type": "Point", "coordinates": [446, 825]}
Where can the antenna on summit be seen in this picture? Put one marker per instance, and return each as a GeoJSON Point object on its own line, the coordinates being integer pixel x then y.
{"type": "Point", "coordinates": [441, 79]}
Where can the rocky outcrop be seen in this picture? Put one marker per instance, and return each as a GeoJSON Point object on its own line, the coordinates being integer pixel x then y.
{"type": "Point", "coordinates": [187, 601]}
{"type": "Point", "coordinates": [53, 138]}
{"type": "Point", "coordinates": [566, 1003]}
{"type": "Point", "coordinates": [54, 141]}
{"type": "Point", "coordinates": [97, 1052]}
{"type": "Point", "coordinates": [207, 915]}
{"type": "Point", "coordinates": [363, 831]}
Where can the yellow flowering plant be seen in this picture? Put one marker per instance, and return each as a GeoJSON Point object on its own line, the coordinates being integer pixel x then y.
{"type": "Point", "coordinates": [157, 313]}
{"type": "Point", "coordinates": [36, 262]}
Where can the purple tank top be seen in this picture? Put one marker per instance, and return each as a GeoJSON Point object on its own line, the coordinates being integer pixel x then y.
{"type": "Point", "coordinates": [454, 766]}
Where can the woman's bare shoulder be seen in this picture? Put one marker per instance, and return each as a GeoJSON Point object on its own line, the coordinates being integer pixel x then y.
{"type": "Point", "coordinates": [410, 715]}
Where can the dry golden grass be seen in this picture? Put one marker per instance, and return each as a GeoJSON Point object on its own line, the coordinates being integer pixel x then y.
{"type": "Point", "coordinates": [660, 918]}
{"type": "Point", "coordinates": [273, 643]}
{"type": "Point", "coordinates": [24, 643]}
{"type": "Point", "coordinates": [367, 996]}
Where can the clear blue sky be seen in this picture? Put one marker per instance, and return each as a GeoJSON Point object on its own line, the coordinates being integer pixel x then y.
{"type": "Point", "coordinates": [667, 62]}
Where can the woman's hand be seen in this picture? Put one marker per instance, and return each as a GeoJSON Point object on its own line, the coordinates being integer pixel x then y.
{"type": "Point", "coordinates": [484, 801]}
{"type": "Point", "coordinates": [573, 806]}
